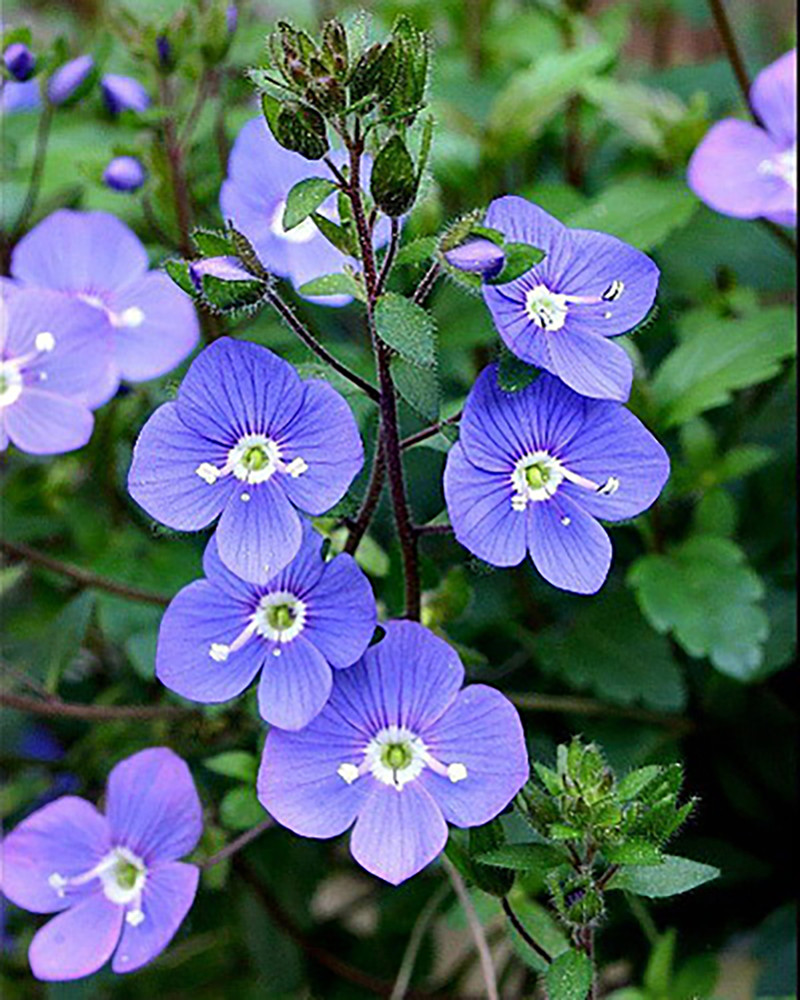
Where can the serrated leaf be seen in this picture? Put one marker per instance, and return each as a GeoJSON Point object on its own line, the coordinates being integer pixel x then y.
{"type": "Point", "coordinates": [705, 594]}
{"type": "Point", "coordinates": [520, 258]}
{"type": "Point", "coordinates": [417, 251]}
{"type": "Point", "coordinates": [304, 198]}
{"type": "Point", "coordinates": [524, 857]}
{"type": "Point", "coordinates": [419, 387]}
{"type": "Point", "coordinates": [393, 181]}
{"type": "Point", "coordinates": [673, 876]}
{"type": "Point", "coordinates": [703, 372]}
{"type": "Point", "coordinates": [633, 852]}
{"type": "Point", "coordinates": [538, 922]}
{"type": "Point", "coordinates": [333, 284]}
{"type": "Point", "coordinates": [178, 270]}
{"type": "Point", "coordinates": [236, 764]}
{"type": "Point", "coordinates": [560, 831]}
{"type": "Point", "coordinates": [339, 236]}
{"type": "Point", "coordinates": [407, 328]}
{"type": "Point", "coordinates": [569, 977]}
{"type": "Point", "coordinates": [636, 781]}
{"type": "Point", "coordinates": [229, 296]}
{"type": "Point", "coordinates": [213, 243]}
{"type": "Point", "coordinates": [642, 211]}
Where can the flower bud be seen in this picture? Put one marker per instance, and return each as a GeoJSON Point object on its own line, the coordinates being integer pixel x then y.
{"type": "Point", "coordinates": [20, 61]}
{"type": "Point", "coordinates": [223, 268]}
{"type": "Point", "coordinates": [123, 93]}
{"type": "Point", "coordinates": [164, 50]}
{"type": "Point", "coordinates": [124, 173]}
{"type": "Point", "coordinates": [477, 256]}
{"type": "Point", "coordinates": [68, 79]}
{"type": "Point", "coordinates": [231, 18]}
{"type": "Point", "coordinates": [16, 97]}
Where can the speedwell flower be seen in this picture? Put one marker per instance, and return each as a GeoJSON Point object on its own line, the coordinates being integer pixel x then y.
{"type": "Point", "coordinates": [54, 370]}
{"type": "Point", "coordinates": [96, 258]}
{"type": "Point", "coordinates": [743, 170]}
{"type": "Point", "coordinates": [124, 173]}
{"type": "Point", "coordinates": [560, 315]}
{"type": "Point", "coordinates": [69, 79]}
{"type": "Point", "coordinates": [261, 173]}
{"type": "Point", "coordinates": [249, 442]}
{"type": "Point", "coordinates": [20, 61]}
{"type": "Point", "coordinates": [218, 633]}
{"type": "Point", "coordinates": [400, 751]}
{"type": "Point", "coordinates": [123, 93]}
{"type": "Point", "coordinates": [114, 880]}
{"type": "Point", "coordinates": [534, 469]}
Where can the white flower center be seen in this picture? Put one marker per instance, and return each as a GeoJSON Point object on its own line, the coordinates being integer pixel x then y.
{"type": "Point", "coordinates": [11, 369]}
{"type": "Point", "coordinates": [549, 309]}
{"type": "Point", "coordinates": [395, 756]}
{"type": "Point", "coordinates": [280, 616]}
{"type": "Point", "coordinates": [253, 459]}
{"type": "Point", "coordinates": [783, 165]}
{"type": "Point", "coordinates": [123, 876]}
{"type": "Point", "coordinates": [538, 475]}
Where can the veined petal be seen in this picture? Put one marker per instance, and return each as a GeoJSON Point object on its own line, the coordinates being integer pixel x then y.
{"type": "Point", "coordinates": [591, 364]}
{"type": "Point", "coordinates": [774, 96]}
{"type": "Point", "coordinates": [568, 547]}
{"type": "Point", "coordinates": [398, 833]}
{"type": "Point", "coordinates": [479, 505]}
{"type": "Point", "coordinates": [519, 333]}
{"type": "Point", "coordinates": [224, 579]}
{"type": "Point", "coordinates": [166, 899]}
{"type": "Point", "coordinates": [482, 731]}
{"type": "Point", "coordinates": [295, 683]}
{"type": "Point", "coordinates": [304, 571]}
{"type": "Point", "coordinates": [520, 221]}
{"type": "Point", "coordinates": [78, 941]}
{"type": "Point", "coordinates": [341, 612]}
{"type": "Point", "coordinates": [43, 424]}
{"type": "Point", "coordinates": [152, 806]}
{"type": "Point", "coordinates": [67, 837]}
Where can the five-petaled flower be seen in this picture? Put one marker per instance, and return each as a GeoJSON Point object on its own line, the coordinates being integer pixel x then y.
{"type": "Point", "coordinates": [560, 315]}
{"type": "Point", "coordinates": [400, 751]}
{"type": "Point", "coordinates": [534, 469]}
{"type": "Point", "coordinates": [743, 170]}
{"type": "Point", "coordinates": [261, 173]}
{"type": "Point", "coordinates": [218, 633]}
{"type": "Point", "coordinates": [246, 439]}
{"type": "Point", "coordinates": [114, 880]}
{"type": "Point", "coordinates": [96, 258]}
{"type": "Point", "coordinates": [54, 370]}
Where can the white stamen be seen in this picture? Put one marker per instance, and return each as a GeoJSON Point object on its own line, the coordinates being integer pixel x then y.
{"type": "Point", "coordinates": [208, 472]}
{"type": "Point", "coordinates": [609, 487]}
{"type": "Point", "coordinates": [377, 754]}
{"type": "Point", "coordinates": [59, 883]}
{"type": "Point", "coordinates": [45, 341]}
{"type": "Point", "coordinates": [347, 772]}
{"type": "Point", "coordinates": [296, 467]}
{"type": "Point", "coordinates": [552, 472]}
{"type": "Point", "coordinates": [783, 165]}
{"type": "Point", "coordinates": [614, 290]}
{"type": "Point", "coordinates": [132, 316]}
{"type": "Point", "coordinates": [548, 310]}
{"type": "Point", "coordinates": [219, 651]}
{"type": "Point", "coordinates": [456, 772]}
{"type": "Point", "coordinates": [261, 623]}
{"type": "Point", "coordinates": [110, 870]}
{"type": "Point", "coordinates": [134, 917]}
{"type": "Point", "coordinates": [254, 458]}
{"type": "Point", "coordinates": [566, 521]}
{"type": "Point", "coordinates": [607, 315]}
{"type": "Point", "coordinates": [245, 497]}
{"type": "Point", "coordinates": [276, 652]}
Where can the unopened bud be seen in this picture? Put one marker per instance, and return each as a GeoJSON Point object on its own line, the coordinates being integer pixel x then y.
{"type": "Point", "coordinates": [477, 256]}
{"type": "Point", "coordinates": [124, 173]}
{"type": "Point", "coordinates": [20, 61]}
{"type": "Point", "coordinates": [68, 79]}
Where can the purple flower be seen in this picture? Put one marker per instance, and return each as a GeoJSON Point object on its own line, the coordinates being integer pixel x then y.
{"type": "Point", "coordinates": [164, 51]}
{"type": "Point", "coordinates": [231, 18]}
{"type": "Point", "coordinates": [249, 442]}
{"type": "Point", "coordinates": [218, 633]}
{"type": "Point", "coordinates": [54, 370]}
{"type": "Point", "coordinates": [68, 79]}
{"type": "Point", "coordinates": [560, 314]}
{"type": "Point", "coordinates": [224, 268]}
{"type": "Point", "coordinates": [745, 171]}
{"type": "Point", "coordinates": [260, 175]}
{"type": "Point", "coordinates": [400, 751]}
{"type": "Point", "coordinates": [96, 258]}
{"type": "Point", "coordinates": [114, 880]}
{"type": "Point", "coordinates": [16, 97]}
{"type": "Point", "coordinates": [534, 469]}
{"type": "Point", "coordinates": [478, 256]}
{"type": "Point", "coordinates": [123, 93]}
{"type": "Point", "coordinates": [20, 61]}
{"type": "Point", "coordinates": [124, 173]}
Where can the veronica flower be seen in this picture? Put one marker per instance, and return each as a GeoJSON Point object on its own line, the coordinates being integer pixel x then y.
{"type": "Point", "coordinates": [746, 171]}
{"type": "Point", "coordinates": [560, 315]}
{"type": "Point", "coordinates": [534, 470]}
{"type": "Point", "coordinates": [124, 173]}
{"type": "Point", "coordinates": [249, 442]}
{"type": "Point", "coordinates": [261, 173]}
{"type": "Point", "coordinates": [96, 258]}
{"type": "Point", "coordinates": [68, 79]}
{"type": "Point", "coordinates": [478, 256]}
{"type": "Point", "coordinates": [19, 60]}
{"type": "Point", "coordinates": [16, 97]}
{"type": "Point", "coordinates": [400, 751]}
{"type": "Point", "coordinates": [123, 93]}
{"type": "Point", "coordinates": [114, 880]}
{"type": "Point", "coordinates": [54, 370]}
{"type": "Point", "coordinates": [218, 633]}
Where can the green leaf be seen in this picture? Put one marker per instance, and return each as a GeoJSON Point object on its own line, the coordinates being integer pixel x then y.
{"type": "Point", "coordinates": [642, 211]}
{"type": "Point", "coordinates": [333, 284]}
{"type": "Point", "coordinates": [393, 182]}
{"type": "Point", "coordinates": [304, 198]}
{"type": "Point", "coordinates": [497, 881]}
{"type": "Point", "coordinates": [514, 374]}
{"type": "Point", "coordinates": [407, 328]}
{"type": "Point", "coordinates": [66, 636]}
{"type": "Point", "coordinates": [213, 243]}
{"type": "Point", "coordinates": [178, 270]}
{"type": "Point", "coordinates": [229, 296]}
{"type": "Point", "coordinates": [541, 926]}
{"type": "Point", "coordinates": [240, 808]}
{"type": "Point", "coordinates": [658, 974]}
{"type": "Point", "coordinates": [417, 251]}
{"type": "Point", "coordinates": [236, 764]}
{"type": "Point", "coordinates": [340, 236]}
{"type": "Point", "coordinates": [419, 387]}
{"type": "Point", "coordinates": [732, 353]}
{"type": "Point", "coordinates": [705, 594]}
{"type": "Point", "coordinates": [633, 852]}
{"type": "Point", "coordinates": [635, 781]}
{"type": "Point", "coordinates": [673, 876]}
{"type": "Point", "coordinates": [569, 977]}
{"type": "Point", "coordinates": [524, 857]}
{"type": "Point", "coordinates": [520, 258]}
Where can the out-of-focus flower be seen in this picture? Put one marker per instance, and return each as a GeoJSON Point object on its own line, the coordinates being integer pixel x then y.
{"type": "Point", "coordinates": [478, 256]}
{"type": "Point", "coordinates": [745, 171]}
{"type": "Point", "coordinates": [534, 470]}
{"type": "Point", "coordinates": [400, 751]}
{"type": "Point", "coordinates": [249, 442]}
{"type": "Point", "coordinates": [67, 79]}
{"type": "Point", "coordinates": [114, 880]}
{"type": "Point", "coordinates": [261, 173]}
{"type": "Point", "coordinates": [231, 18]}
{"type": "Point", "coordinates": [219, 633]}
{"type": "Point", "coordinates": [20, 61]}
{"type": "Point", "coordinates": [96, 258]}
{"type": "Point", "coordinates": [123, 93]}
{"type": "Point", "coordinates": [124, 173]}
{"type": "Point", "coordinates": [54, 370]}
{"type": "Point", "coordinates": [16, 97]}
{"type": "Point", "coordinates": [560, 315]}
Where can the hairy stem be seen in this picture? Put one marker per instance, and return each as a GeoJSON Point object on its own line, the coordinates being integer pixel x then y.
{"type": "Point", "coordinates": [57, 709]}
{"type": "Point", "coordinates": [180, 190]}
{"type": "Point", "coordinates": [388, 260]}
{"type": "Point", "coordinates": [428, 432]}
{"type": "Point", "coordinates": [370, 502]}
{"type": "Point", "coordinates": [425, 286]}
{"type": "Point", "coordinates": [476, 928]}
{"type": "Point", "coordinates": [520, 928]}
{"type": "Point", "coordinates": [239, 843]}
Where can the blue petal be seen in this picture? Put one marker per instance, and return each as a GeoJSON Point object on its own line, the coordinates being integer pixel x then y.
{"type": "Point", "coordinates": [295, 684]}
{"type": "Point", "coordinates": [78, 941]}
{"type": "Point", "coordinates": [591, 364]}
{"type": "Point", "coordinates": [341, 612]}
{"type": "Point", "coordinates": [568, 547]}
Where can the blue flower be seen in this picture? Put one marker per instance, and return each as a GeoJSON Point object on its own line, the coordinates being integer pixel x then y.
{"type": "Point", "coordinates": [123, 93]}
{"type": "Point", "coordinates": [68, 79]}
{"type": "Point", "coordinates": [249, 442]}
{"type": "Point", "coordinates": [219, 633]}
{"type": "Point", "coordinates": [478, 256]}
{"type": "Point", "coordinates": [534, 470]}
{"type": "Point", "coordinates": [560, 315]}
{"type": "Point", "coordinates": [20, 61]}
{"type": "Point", "coordinates": [124, 173]}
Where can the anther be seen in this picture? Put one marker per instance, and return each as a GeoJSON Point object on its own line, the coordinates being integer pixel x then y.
{"type": "Point", "coordinates": [219, 651]}
{"type": "Point", "coordinates": [348, 772]}
{"type": "Point", "coordinates": [134, 917]}
{"type": "Point", "coordinates": [296, 467]}
{"type": "Point", "coordinates": [45, 341]}
{"type": "Point", "coordinates": [208, 472]}
{"type": "Point", "coordinates": [614, 290]}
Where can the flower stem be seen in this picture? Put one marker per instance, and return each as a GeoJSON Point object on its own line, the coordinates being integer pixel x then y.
{"type": "Point", "coordinates": [57, 709]}
{"type": "Point", "coordinates": [428, 432]}
{"type": "Point", "coordinates": [425, 286]}
{"type": "Point", "coordinates": [520, 928]}
{"type": "Point", "coordinates": [388, 260]}
{"type": "Point", "coordinates": [475, 926]}
{"type": "Point", "coordinates": [370, 501]}
{"type": "Point", "coordinates": [415, 939]}
{"type": "Point", "coordinates": [37, 170]}
{"type": "Point", "coordinates": [239, 843]}
{"type": "Point", "coordinates": [734, 54]}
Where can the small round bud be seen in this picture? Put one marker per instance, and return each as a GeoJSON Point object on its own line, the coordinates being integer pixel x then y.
{"type": "Point", "coordinates": [68, 79]}
{"type": "Point", "coordinates": [20, 61]}
{"type": "Point", "coordinates": [223, 268]}
{"type": "Point", "coordinates": [477, 256]}
{"type": "Point", "coordinates": [123, 93]}
{"type": "Point", "coordinates": [124, 173]}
